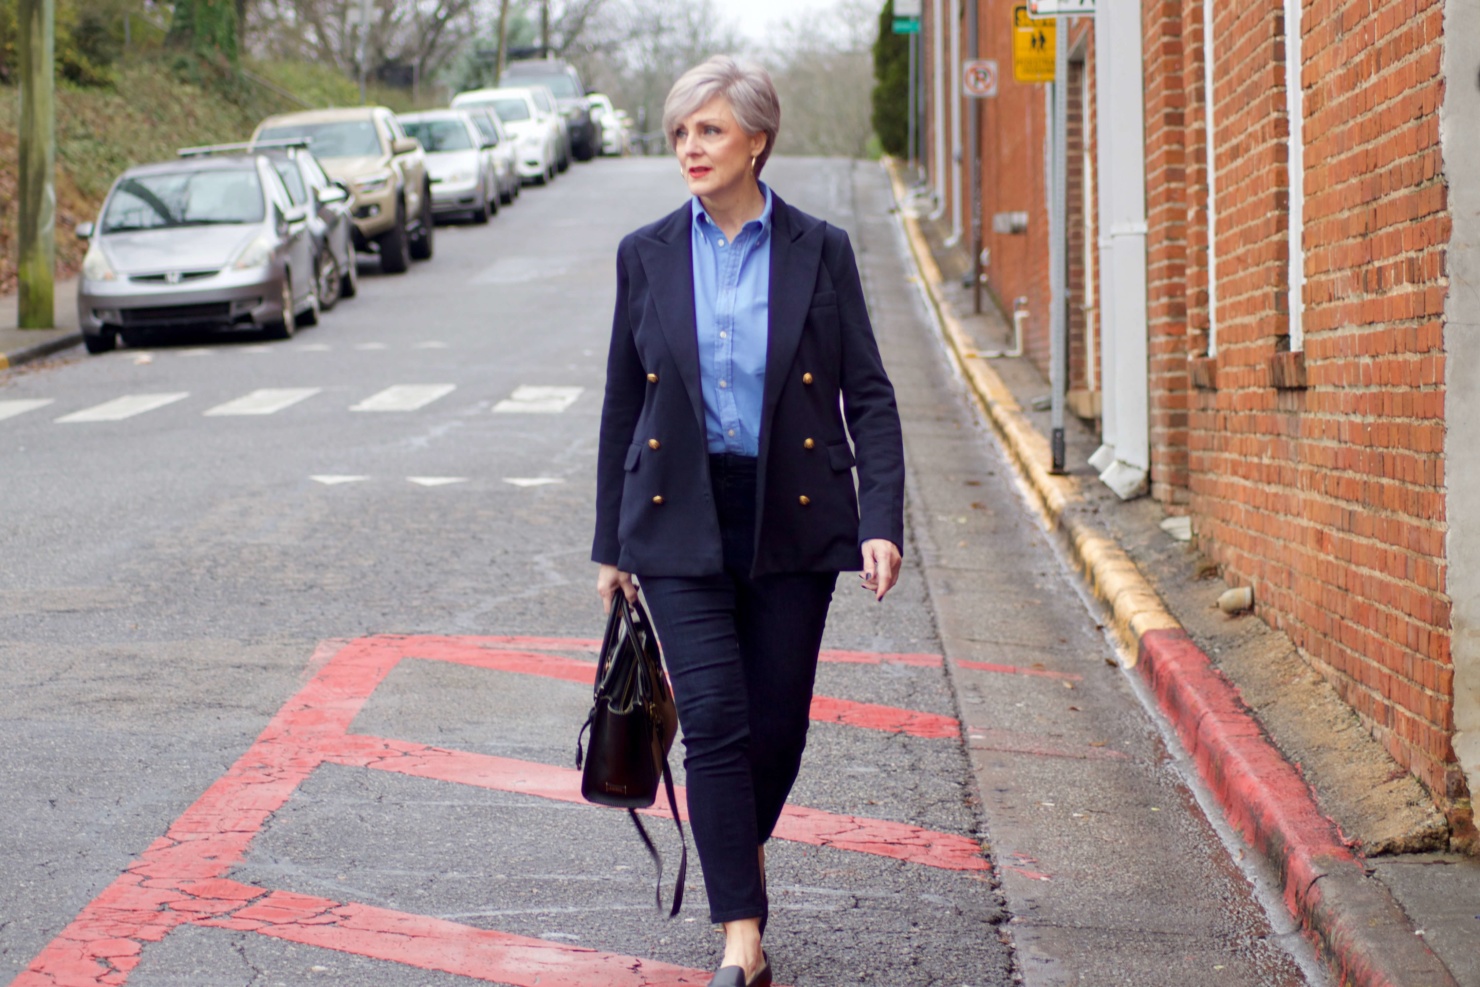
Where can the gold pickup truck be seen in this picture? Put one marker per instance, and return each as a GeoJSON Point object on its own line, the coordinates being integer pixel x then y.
{"type": "Point", "coordinates": [386, 172]}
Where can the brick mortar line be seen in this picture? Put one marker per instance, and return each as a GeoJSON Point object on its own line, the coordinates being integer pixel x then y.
{"type": "Point", "coordinates": [1364, 935]}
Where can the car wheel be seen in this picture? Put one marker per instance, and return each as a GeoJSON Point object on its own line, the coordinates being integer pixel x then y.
{"type": "Point", "coordinates": [543, 178]}
{"type": "Point", "coordinates": [330, 279]}
{"type": "Point", "coordinates": [288, 324]}
{"type": "Point", "coordinates": [349, 283]}
{"type": "Point", "coordinates": [102, 342]}
{"type": "Point", "coordinates": [494, 198]}
{"type": "Point", "coordinates": [506, 193]}
{"type": "Point", "coordinates": [395, 245]}
{"type": "Point", "coordinates": [480, 215]}
{"type": "Point", "coordinates": [422, 244]}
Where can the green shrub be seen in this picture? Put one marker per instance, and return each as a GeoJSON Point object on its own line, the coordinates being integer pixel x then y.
{"type": "Point", "coordinates": [891, 84]}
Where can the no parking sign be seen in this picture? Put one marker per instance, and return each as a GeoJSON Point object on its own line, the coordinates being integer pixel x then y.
{"type": "Point", "coordinates": [979, 77]}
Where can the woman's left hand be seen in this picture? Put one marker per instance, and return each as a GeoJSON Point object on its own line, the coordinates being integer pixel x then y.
{"type": "Point", "coordinates": [880, 566]}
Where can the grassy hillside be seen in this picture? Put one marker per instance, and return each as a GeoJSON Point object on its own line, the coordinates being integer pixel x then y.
{"type": "Point", "coordinates": [156, 107]}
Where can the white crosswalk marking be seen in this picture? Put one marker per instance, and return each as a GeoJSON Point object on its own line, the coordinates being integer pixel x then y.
{"type": "Point", "coordinates": [404, 397]}
{"type": "Point", "coordinates": [533, 400]}
{"type": "Point", "coordinates": [436, 481]}
{"type": "Point", "coordinates": [335, 479]}
{"type": "Point", "coordinates": [370, 346]}
{"type": "Point", "coordinates": [125, 407]}
{"type": "Point", "coordinates": [532, 481]}
{"type": "Point", "coordinates": [267, 401]}
{"type": "Point", "coordinates": [9, 409]}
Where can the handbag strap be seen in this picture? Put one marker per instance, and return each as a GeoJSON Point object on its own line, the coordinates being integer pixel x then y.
{"type": "Point", "coordinates": [647, 841]}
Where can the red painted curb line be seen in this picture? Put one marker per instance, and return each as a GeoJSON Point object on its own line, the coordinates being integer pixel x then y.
{"type": "Point", "coordinates": [1268, 801]}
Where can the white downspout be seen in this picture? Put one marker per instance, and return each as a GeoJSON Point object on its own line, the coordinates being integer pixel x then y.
{"type": "Point", "coordinates": [938, 97]}
{"type": "Point", "coordinates": [957, 153]}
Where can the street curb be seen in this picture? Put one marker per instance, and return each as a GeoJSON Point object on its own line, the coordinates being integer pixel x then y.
{"type": "Point", "coordinates": [36, 351]}
{"type": "Point", "coordinates": [1364, 935]}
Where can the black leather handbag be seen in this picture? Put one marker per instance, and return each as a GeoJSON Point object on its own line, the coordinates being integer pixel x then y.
{"type": "Point", "coordinates": [632, 722]}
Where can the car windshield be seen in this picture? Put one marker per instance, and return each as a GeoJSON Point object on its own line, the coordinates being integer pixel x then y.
{"type": "Point", "coordinates": [344, 139]}
{"type": "Point", "coordinates": [289, 173]}
{"type": "Point", "coordinates": [485, 126]}
{"type": "Point", "coordinates": [560, 84]}
{"type": "Point", "coordinates": [185, 198]}
{"type": "Point", "coordinates": [510, 109]}
{"type": "Point", "coordinates": [439, 135]}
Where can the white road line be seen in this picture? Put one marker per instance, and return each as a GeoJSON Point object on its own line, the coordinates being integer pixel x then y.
{"type": "Point", "coordinates": [370, 346]}
{"type": "Point", "coordinates": [532, 481]}
{"type": "Point", "coordinates": [314, 348]}
{"type": "Point", "coordinates": [9, 409]}
{"type": "Point", "coordinates": [125, 407]}
{"type": "Point", "coordinates": [267, 401]}
{"type": "Point", "coordinates": [430, 344]}
{"type": "Point", "coordinates": [404, 397]}
{"type": "Point", "coordinates": [436, 481]}
{"type": "Point", "coordinates": [334, 479]}
{"type": "Point", "coordinates": [533, 400]}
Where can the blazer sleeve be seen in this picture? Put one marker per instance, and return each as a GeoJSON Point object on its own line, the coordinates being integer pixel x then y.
{"type": "Point", "coordinates": [868, 406]}
{"type": "Point", "coordinates": [625, 386]}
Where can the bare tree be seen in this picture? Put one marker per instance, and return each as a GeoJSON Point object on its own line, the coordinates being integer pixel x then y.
{"type": "Point", "coordinates": [822, 65]}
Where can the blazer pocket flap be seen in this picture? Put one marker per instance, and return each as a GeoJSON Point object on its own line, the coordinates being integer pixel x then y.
{"type": "Point", "coordinates": [823, 299]}
{"type": "Point", "coordinates": [634, 453]}
{"type": "Point", "coordinates": [840, 456]}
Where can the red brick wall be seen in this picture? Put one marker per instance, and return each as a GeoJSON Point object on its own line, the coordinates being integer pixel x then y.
{"type": "Point", "coordinates": [1328, 500]}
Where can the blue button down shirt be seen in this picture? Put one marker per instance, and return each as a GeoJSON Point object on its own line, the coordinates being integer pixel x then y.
{"type": "Point", "coordinates": [732, 301]}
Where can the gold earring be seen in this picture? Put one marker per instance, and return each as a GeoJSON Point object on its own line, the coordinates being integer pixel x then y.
{"type": "Point", "coordinates": [752, 162]}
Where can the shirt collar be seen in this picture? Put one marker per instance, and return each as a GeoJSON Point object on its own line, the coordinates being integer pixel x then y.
{"type": "Point", "coordinates": [764, 219]}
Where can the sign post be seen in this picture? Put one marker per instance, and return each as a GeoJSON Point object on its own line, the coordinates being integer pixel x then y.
{"type": "Point", "coordinates": [1032, 46]}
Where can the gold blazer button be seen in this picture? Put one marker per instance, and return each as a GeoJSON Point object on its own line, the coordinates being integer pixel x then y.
{"type": "Point", "coordinates": [804, 500]}
{"type": "Point", "coordinates": [653, 443]}
{"type": "Point", "coordinates": [809, 444]}
{"type": "Point", "coordinates": [652, 378]}
{"type": "Point", "coordinates": [658, 500]}
{"type": "Point", "coordinates": [806, 378]}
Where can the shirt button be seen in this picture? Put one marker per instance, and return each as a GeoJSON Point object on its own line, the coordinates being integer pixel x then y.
{"type": "Point", "coordinates": [653, 443]}
{"type": "Point", "coordinates": [723, 384]}
{"type": "Point", "coordinates": [658, 501]}
{"type": "Point", "coordinates": [724, 335]}
{"type": "Point", "coordinates": [721, 243]}
{"type": "Point", "coordinates": [806, 378]}
{"type": "Point", "coordinates": [652, 378]}
{"type": "Point", "coordinates": [804, 500]}
{"type": "Point", "coordinates": [731, 433]}
{"type": "Point", "coordinates": [809, 444]}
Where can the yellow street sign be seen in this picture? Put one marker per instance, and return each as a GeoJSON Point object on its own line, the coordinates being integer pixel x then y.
{"type": "Point", "coordinates": [1032, 46]}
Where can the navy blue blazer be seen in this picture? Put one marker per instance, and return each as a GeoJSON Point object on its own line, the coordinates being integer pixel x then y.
{"type": "Point", "coordinates": [655, 513]}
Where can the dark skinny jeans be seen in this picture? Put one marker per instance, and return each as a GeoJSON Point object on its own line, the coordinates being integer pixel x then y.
{"type": "Point", "coordinates": [742, 656]}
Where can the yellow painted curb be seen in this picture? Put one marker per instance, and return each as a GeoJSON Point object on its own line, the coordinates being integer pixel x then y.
{"type": "Point", "coordinates": [1112, 574]}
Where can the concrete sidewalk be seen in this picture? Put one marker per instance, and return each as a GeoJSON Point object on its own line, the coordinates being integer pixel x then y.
{"type": "Point", "coordinates": [1355, 840]}
{"type": "Point", "coordinates": [18, 346]}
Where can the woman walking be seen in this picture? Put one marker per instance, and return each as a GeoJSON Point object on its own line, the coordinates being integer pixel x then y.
{"type": "Point", "coordinates": [725, 473]}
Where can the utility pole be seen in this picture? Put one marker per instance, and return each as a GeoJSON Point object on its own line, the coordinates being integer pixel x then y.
{"type": "Point", "coordinates": [36, 265]}
{"type": "Point", "coordinates": [544, 28]}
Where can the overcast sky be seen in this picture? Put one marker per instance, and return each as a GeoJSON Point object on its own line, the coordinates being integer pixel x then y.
{"type": "Point", "coordinates": [754, 16]}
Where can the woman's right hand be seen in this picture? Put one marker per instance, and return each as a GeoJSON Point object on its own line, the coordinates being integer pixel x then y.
{"type": "Point", "coordinates": [608, 580]}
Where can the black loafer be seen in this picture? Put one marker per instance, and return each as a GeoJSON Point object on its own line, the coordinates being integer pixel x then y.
{"type": "Point", "coordinates": [734, 976]}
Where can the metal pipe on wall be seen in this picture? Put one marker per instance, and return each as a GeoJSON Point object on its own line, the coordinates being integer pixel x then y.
{"type": "Point", "coordinates": [957, 155]}
{"type": "Point", "coordinates": [1058, 355]}
{"type": "Point", "coordinates": [938, 94]}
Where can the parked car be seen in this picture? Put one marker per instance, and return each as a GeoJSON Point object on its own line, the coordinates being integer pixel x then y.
{"type": "Point", "coordinates": [336, 263]}
{"type": "Point", "coordinates": [549, 108]}
{"type": "Point", "coordinates": [613, 130]}
{"type": "Point", "coordinates": [535, 135]}
{"type": "Point", "coordinates": [460, 161]}
{"type": "Point", "coordinates": [564, 83]}
{"type": "Point", "coordinates": [211, 243]}
{"type": "Point", "coordinates": [385, 171]}
{"type": "Point", "coordinates": [502, 146]}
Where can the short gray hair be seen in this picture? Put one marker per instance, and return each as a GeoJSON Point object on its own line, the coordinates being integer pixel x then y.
{"type": "Point", "coordinates": [748, 89]}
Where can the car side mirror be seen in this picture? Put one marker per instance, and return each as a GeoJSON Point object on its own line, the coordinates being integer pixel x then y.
{"type": "Point", "coordinates": [492, 142]}
{"type": "Point", "coordinates": [330, 194]}
{"type": "Point", "coordinates": [84, 231]}
{"type": "Point", "coordinates": [405, 145]}
{"type": "Point", "coordinates": [296, 214]}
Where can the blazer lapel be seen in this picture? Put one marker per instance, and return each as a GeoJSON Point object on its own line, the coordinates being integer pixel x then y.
{"type": "Point", "coordinates": [668, 260]}
{"type": "Point", "coordinates": [796, 253]}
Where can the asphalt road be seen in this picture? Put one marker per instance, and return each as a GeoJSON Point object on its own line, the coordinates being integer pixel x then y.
{"type": "Point", "coordinates": [185, 594]}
